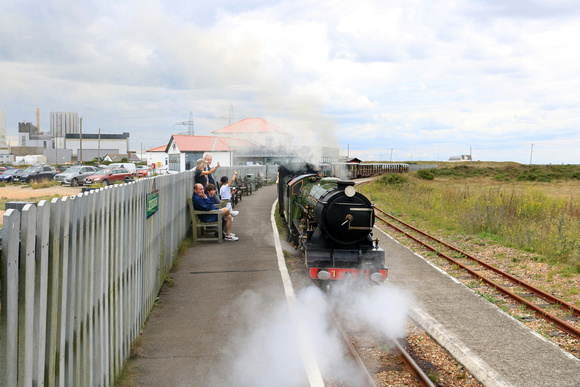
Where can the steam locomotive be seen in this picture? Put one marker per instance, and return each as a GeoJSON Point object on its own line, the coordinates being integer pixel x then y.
{"type": "Point", "coordinates": [332, 224]}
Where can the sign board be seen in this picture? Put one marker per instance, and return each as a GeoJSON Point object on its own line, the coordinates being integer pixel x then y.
{"type": "Point", "coordinates": [152, 202]}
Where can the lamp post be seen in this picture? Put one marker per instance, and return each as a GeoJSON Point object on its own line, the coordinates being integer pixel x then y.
{"type": "Point", "coordinates": [56, 149]}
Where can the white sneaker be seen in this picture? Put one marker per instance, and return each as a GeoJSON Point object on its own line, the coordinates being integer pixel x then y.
{"type": "Point", "coordinates": [235, 213]}
{"type": "Point", "coordinates": [231, 238]}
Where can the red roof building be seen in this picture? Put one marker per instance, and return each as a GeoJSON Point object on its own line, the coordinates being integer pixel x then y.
{"type": "Point", "coordinates": [256, 130]}
{"type": "Point", "coordinates": [184, 150]}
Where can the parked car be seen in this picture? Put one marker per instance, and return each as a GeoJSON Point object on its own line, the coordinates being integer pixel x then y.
{"type": "Point", "coordinates": [142, 171]}
{"type": "Point", "coordinates": [2, 170]}
{"type": "Point", "coordinates": [6, 177]}
{"type": "Point", "coordinates": [75, 175]}
{"type": "Point", "coordinates": [131, 167]}
{"type": "Point", "coordinates": [36, 173]}
{"type": "Point", "coordinates": [108, 176]}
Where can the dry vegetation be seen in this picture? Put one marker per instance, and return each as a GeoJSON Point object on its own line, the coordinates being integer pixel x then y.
{"type": "Point", "coordinates": [537, 217]}
{"type": "Point", "coordinates": [35, 193]}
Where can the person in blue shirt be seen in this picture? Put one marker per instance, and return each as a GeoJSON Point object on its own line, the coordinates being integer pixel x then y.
{"type": "Point", "coordinates": [203, 202]}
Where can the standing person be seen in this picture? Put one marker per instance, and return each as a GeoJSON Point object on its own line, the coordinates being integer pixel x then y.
{"type": "Point", "coordinates": [208, 157]}
{"type": "Point", "coordinates": [226, 191]}
{"type": "Point", "coordinates": [203, 202]}
{"type": "Point", "coordinates": [201, 174]}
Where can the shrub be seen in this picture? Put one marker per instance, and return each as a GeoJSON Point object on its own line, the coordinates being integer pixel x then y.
{"type": "Point", "coordinates": [425, 174]}
{"type": "Point", "coordinates": [393, 179]}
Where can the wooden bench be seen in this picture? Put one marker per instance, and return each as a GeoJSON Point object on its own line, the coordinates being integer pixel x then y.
{"type": "Point", "coordinates": [262, 179]}
{"type": "Point", "coordinates": [242, 188]}
{"type": "Point", "coordinates": [207, 230]}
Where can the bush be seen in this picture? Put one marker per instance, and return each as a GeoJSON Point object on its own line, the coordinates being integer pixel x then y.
{"type": "Point", "coordinates": [393, 179]}
{"type": "Point", "coordinates": [425, 174]}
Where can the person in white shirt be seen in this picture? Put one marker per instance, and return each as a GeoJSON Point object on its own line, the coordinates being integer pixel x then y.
{"type": "Point", "coordinates": [226, 191]}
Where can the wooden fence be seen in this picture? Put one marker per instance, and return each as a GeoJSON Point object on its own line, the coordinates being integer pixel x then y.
{"type": "Point", "coordinates": [79, 276]}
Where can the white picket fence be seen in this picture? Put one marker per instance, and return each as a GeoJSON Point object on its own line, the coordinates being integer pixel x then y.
{"type": "Point", "coordinates": [79, 276]}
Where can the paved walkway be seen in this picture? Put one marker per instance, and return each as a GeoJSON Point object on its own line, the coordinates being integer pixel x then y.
{"type": "Point", "coordinates": [208, 327]}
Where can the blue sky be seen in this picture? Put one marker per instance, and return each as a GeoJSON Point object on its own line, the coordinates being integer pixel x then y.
{"type": "Point", "coordinates": [400, 80]}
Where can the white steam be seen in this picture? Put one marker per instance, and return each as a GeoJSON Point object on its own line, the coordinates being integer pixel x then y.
{"type": "Point", "coordinates": [266, 350]}
{"type": "Point", "coordinates": [383, 308]}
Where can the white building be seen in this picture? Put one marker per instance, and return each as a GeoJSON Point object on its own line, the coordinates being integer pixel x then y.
{"type": "Point", "coordinates": [2, 129]}
{"type": "Point", "coordinates": [63, 123]}
{"type": "Point", "coordinates": [93, 145]}
{"type": "Point", "coordinates": [157, 156]}
{"type": "Point", "coordinates": [29, 136]}
{"type": "Point", "coordinates": [460, 158]}
{"type": "Point", "coordinates": [5, 156]}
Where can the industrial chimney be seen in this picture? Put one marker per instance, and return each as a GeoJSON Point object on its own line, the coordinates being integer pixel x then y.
{"type": "Point", "coordinates": [38, 119]}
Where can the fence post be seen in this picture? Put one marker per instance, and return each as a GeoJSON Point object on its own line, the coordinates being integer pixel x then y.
{"type": "Point", "coordinates": [26, 294]}
{"type": "Point", "coordinates": [9, 298]}
{"type": "Point", "coordinates": [40, 307]}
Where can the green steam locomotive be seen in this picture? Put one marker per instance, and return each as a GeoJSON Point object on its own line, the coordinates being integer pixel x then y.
{"type": "Point", "coordinates": [332, 224]}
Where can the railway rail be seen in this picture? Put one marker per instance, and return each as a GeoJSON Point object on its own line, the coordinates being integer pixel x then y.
{"type": "Point", "coordinates": [531, 297]}
{"type": "Point", "coordinates": [410, 365]}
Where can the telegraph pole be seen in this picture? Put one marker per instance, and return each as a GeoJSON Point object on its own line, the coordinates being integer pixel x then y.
{"type": "Point", "coordinates": [56, 148]}
{"type": "Point", "coordinates": [99, 149]}
{"type": "Point", "coordinates": [81, 143]}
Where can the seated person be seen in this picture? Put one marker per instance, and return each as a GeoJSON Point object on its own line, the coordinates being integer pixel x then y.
{"type": "Point", "coordinates": [203, 202]}
{"type": "Point", "coordinates": [226, 191]}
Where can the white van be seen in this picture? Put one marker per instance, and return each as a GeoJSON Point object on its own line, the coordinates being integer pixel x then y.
{"type": "Point", "coordinates": [128, 166]}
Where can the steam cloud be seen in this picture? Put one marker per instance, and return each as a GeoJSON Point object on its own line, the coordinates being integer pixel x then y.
{"type": "Point", "coordinates": [264, 351]}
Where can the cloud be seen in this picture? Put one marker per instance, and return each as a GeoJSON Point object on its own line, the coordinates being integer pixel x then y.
{"type": "Point", "coordinates": [334, 69]}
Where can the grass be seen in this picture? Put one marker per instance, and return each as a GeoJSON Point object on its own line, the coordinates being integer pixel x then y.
{"type": "Point", "coordinates": [44, 184]}
{"type": "Point", "coordinates": [539, 217]}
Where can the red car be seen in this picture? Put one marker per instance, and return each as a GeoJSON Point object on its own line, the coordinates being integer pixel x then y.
{"type": "Point", "coordinates": [109, 176]}
{"type": "Point", "coordinates": [142, 172]}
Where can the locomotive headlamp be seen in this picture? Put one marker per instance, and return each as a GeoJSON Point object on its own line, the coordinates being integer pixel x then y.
{"type": "Point", "coordinates": [377, 277]}
{"type": "Point", "coordinates": [350, 191]}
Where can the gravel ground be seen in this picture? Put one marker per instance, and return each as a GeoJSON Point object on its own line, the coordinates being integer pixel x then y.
{"type": "Point", "coordinates": [524, 265]}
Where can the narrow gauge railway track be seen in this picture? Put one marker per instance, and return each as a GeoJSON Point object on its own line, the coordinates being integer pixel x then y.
{"type": "Point", "coordinates": [410, 365]}
{"type": "Point", "coordinates": [535, 299]}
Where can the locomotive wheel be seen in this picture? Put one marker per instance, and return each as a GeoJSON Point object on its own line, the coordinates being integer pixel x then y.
{"type": "Point", "coordinates": [288, 233]}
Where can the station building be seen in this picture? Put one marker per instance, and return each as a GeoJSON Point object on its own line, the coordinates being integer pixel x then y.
{"type": "Point", "coordinates": [251, 141]}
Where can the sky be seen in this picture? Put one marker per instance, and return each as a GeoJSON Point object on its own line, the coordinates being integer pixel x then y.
{"type": "Point", "coordinates": [385, 80]}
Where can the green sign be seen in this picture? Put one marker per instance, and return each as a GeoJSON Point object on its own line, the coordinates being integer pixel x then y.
{"type": "Point", "coordinates": [152, 203]}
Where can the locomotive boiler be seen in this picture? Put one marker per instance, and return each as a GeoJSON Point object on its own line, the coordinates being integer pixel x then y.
{"type": "Point", "coordinates": [332, 224]}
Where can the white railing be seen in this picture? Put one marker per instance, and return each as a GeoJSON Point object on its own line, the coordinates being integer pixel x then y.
{"type": "Point", "coordinates": [79, 276]}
